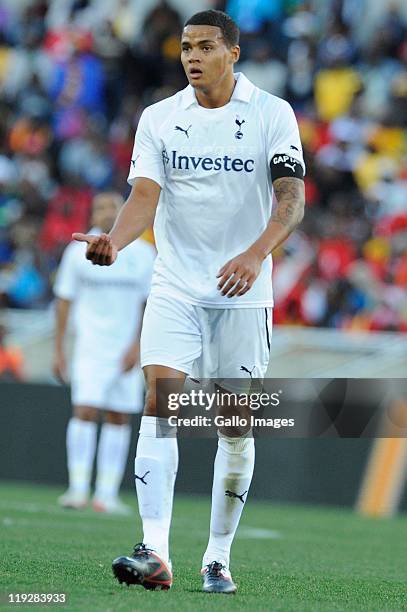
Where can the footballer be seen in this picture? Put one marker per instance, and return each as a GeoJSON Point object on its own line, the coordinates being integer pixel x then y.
{"type": "Point", "coordinates": [205, 166]}
{"type": "Point", "coordinates": [107, 307]}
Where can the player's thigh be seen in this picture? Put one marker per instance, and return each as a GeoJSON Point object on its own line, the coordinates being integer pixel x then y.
{"type": "Point", "coordinates": [171, 335]}
{"type": "Point", "coordinates": [241, 353]}
{"type": "Point", "coordinates": [235, 343]}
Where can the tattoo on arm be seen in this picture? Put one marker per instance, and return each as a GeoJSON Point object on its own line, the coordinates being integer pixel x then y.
{"type": "Point", "coordinates": [289, 208]}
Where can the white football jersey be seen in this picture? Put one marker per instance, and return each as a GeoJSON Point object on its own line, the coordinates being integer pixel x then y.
{"type": "Point", "coordinates": [107, 300]}
{"type": "Point", "coordinates": [213, 166]}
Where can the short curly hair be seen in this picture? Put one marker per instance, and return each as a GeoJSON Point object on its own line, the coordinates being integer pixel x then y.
{"type": "Point", "coordinates": [219, 19]}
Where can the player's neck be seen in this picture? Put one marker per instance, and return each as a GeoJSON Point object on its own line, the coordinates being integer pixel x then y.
{"type": "Point", "coordinates": [219, 95]}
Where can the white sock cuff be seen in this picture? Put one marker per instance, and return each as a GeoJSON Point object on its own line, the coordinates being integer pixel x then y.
{"type": "Point", "coordinates": [116, 428]}
{"type": "Point", "coordinates": [156, 427]}
{"type": "Point", "coordinates": [235, 445]}
{"type": "Point", "coordinates": [89, 426]}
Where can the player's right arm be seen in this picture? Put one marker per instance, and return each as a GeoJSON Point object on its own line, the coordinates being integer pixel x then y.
{"type": "Point", "coordinates": [135, 216]}
{"type": "Point", "coordinates": [62, 309]}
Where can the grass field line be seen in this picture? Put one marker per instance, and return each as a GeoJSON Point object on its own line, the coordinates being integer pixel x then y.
{"type": "Point", "coordinates": [21, 522]}
{"type": "Point", "coordinates": [36, 508]}
{"type": "Point", "coordinates": [88, 516]}
{"type": "Point", "coordinates": [245, 532]}
{"type": "Point", "coordinates": [255, 533]}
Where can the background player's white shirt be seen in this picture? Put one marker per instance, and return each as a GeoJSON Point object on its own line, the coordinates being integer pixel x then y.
{"type": "Point", "coordinates": [214, 169]}
{"type": "Point", "coordinates": [107, 300]}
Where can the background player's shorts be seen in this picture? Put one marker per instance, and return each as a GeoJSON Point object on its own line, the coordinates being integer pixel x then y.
{"type": "Point", "coordinates": [102, 384]}
{"type": "Point", "coordinates": [206, 342]}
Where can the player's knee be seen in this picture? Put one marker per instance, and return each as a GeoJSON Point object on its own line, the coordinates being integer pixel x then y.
{"type": "Point", "coordinates": [117, 418]}
{"type": "Point", "coordinates": [156, 404]}
{"type": "Point", "coordinates": [234, 423]}
{"type": "Point", "coordinates": [150, 403]}
{"type": "Point", "coordinates": [85, 413]}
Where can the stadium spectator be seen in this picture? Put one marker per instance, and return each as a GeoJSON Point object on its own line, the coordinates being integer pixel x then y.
{"type": "Point", "coordinates": [75, 77]}
{"type": "Point", "coordinates": [11, 360]}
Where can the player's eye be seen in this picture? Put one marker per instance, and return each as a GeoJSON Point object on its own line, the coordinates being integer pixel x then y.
{"type": "Point", "coordinates": [207, 48]}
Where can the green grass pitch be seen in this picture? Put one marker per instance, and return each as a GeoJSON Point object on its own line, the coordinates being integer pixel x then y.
{"type": "Point", "coordinates": [284, 558]}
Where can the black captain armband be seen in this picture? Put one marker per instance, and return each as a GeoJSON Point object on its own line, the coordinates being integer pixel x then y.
{"type": "Point", "coordinates": [285, 166]}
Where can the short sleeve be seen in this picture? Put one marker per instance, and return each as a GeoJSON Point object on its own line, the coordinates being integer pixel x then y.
{"type": "Point", "coordinates": [146, 160]}
{"type": "Point", "coordinates": [66, 282]}
{"type": "Point", "coordinates": [284, 135]}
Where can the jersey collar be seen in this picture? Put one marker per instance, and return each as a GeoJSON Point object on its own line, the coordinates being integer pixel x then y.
{"type": "Point", "coordinates": [242, 92]}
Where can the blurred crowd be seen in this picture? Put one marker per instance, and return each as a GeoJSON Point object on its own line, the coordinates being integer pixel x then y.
{"type": "Point", "coordinates": [75, 76]}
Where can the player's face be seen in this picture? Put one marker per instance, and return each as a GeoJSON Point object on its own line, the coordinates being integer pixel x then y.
{"type": "Point", "coordinates": [104, 212]}
{"type": "Point", "coordinates": [206, 58]}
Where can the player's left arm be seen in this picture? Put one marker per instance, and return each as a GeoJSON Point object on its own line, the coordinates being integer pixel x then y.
{"type": "Point", "coordinates": [237, 276]}
{"type": "Point", "coordinates": [284, 155]}
{"type": "Point", "coordinates": [288, 212]}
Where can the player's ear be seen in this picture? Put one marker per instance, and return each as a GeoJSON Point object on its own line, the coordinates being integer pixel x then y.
{"type": "Point", "coordinates": [235, 54]}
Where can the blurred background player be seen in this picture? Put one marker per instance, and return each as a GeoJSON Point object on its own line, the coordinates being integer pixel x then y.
{"type": "Point", "coordinates": [107, 312]}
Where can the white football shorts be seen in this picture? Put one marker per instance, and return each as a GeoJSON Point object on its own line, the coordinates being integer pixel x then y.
{"type": "Point", "coordinates": [206, 342]}
{"type": "Point", "coordinates": [102, 384]}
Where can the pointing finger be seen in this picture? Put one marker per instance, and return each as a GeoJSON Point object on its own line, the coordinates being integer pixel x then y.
{"type": "Point", "coordinates": [82, 237]}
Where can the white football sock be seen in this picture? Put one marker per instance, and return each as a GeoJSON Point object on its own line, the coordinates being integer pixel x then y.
{"type": "Point", "coordinates": [155, 468]}
{"type": "Point", "coordinates": [233, 471]}
{"type": "Point", "coordinates": [81, 447]}
{"type": "Point", "coordinates": [113, 451]}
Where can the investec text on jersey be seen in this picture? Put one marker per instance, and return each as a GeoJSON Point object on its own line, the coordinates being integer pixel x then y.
{"type": "Point", "coordinates": [183, 162]}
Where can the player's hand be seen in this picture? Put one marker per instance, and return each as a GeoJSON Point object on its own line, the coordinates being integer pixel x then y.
{"type": "Point", "coordinates": [59, 367]}
{"type": "Point", "coordinates": [237, 276]}
{"type": "Point", "coordinates": [131, 358]}
{"type": "Point", "coordinates": [100, 250]}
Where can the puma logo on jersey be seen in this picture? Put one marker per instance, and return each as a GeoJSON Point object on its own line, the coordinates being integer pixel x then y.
{"type": "Point", "coordinates": [142, 477]}
{"type": "Point", "coordinates": [133, 161]}
{"type": "Point", "coordinates": [290, 166]}
{"type": "Point", "coordinates": [232, 494]}
{"type": "Point", "coordinates": [180, 129]}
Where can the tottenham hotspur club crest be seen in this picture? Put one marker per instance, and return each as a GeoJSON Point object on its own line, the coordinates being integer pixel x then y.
{"type": "Point", "coordinates": [165, 157]}
{"type": "Point", "coordinates": [239, 123]}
